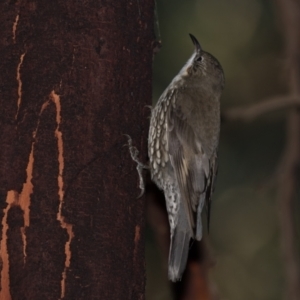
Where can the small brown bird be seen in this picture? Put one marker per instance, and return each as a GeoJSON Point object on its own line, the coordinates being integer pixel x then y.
{"type": "Point", "coordinates": [183, 142]}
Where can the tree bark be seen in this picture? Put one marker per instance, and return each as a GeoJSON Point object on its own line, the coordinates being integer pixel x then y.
{"type": "Point", "coordinates": [75, 76]}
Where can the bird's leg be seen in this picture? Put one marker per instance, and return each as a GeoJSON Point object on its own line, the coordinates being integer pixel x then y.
{"type": "Point", "coordinates": [134, 152]}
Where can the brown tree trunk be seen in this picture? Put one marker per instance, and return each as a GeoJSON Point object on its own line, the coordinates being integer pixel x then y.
{"type": "Point", "coordinates": [195, 283]}
{"type": "Point", "coordinates": [75, 76]}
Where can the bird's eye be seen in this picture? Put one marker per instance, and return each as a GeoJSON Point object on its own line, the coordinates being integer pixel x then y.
{"type": "Point", "coordinates": [199, 58]}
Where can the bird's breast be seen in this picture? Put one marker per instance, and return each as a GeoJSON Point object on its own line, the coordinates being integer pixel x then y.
{"type": "Point", "coordinates": [157, 141]}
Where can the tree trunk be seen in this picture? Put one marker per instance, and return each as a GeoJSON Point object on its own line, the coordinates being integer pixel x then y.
{"type": "Point", "coordinates": [75, 76]}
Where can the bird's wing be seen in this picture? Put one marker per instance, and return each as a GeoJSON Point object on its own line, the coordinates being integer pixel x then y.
{"type": "Point", "coordinates": [190, 162]}
{"type": "Point", "coordinates": [211, 184]}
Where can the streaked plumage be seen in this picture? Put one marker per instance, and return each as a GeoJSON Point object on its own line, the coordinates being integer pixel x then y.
{"type": "Point", "coordinates": [183, 143]}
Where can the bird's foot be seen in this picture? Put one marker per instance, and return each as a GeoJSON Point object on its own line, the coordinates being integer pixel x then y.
{"type": "Point", "coordinates": [134, 152]}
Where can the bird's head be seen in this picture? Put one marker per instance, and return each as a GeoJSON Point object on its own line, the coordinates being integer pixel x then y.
{"type": "Point", "coordinates": [203, 67]}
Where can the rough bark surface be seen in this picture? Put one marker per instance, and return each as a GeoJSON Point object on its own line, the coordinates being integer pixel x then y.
{"type": "Point", "coordinates": [75, 76]}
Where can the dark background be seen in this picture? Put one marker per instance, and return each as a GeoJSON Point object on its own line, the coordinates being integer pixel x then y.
{"type": "Point", "coordinates": [244, 236]}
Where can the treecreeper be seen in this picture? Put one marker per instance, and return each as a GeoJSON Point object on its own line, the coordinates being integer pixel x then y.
{"type": "Point", "coordinates": [182, 146]}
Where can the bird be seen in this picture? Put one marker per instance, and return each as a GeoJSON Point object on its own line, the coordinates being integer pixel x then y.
{"type": "Point", "coordinates": [182, 148]}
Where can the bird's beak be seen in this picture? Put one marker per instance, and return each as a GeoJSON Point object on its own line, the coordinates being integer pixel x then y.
{"type": "Point", "coordinates": [196, 43]}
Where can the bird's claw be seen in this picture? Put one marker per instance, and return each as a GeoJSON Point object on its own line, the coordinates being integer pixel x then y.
{"type": "Point", "coordinates": [134, 152]}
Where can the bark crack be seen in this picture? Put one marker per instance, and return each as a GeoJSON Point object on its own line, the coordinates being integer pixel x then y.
{"type": "Point", "coordinates": [14, 29]}
{"type": "Point", "coordinates": [69, 228]}
{"type": "Point", "coordinates": [5, 280]}
{"type": "Point", "coordinates": [19, 84]}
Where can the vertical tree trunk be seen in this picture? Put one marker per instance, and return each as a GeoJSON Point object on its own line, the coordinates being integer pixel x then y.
{"type": "Point", "coordinates": [75, 76]}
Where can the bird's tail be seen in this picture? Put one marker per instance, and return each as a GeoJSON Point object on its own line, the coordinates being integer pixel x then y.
{"type": "Point", "coordinates": [178, 255]}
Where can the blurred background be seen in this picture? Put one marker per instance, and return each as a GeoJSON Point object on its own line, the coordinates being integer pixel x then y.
{"type": "Point", "coordinates": [244, 238]}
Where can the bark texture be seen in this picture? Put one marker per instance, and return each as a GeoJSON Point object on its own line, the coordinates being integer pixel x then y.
{"type": "Point", "coordinates": [75, 76]}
